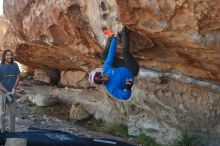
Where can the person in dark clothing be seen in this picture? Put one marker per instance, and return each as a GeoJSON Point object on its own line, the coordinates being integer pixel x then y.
{"type": "Point", "coordinates": [118, 74]}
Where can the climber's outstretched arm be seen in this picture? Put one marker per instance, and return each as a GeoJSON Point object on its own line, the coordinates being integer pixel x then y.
{"type": "Point", "coordinates": [104, 54]}
{"type": "Point", "coordinates": [111, 54]}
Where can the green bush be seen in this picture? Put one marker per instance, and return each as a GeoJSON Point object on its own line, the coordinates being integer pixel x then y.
{"type": "Point", "coordinates": [185, 139]}
{"type": "Point", "coordinates": [30, 104]}
{"type": "Point", "coordinates": [145, 140]}
{"type": "Point", "coordinates": [114, 129]}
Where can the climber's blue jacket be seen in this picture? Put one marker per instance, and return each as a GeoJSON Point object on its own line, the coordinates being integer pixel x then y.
{"type": "Point", "coordinates": [117, 76]}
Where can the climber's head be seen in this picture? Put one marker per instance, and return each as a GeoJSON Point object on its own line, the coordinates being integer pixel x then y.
{"type": "Point", "coordinates": [98, 77]}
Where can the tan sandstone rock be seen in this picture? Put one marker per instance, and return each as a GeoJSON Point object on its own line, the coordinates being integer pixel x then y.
{"type": "Point", "coordinates": [71, 78]}
{"type": "Point", "coordinates": [78, 112]}
{"type": "Point", "coordinates": [157, 107]}
{"type": "Point", "coordinates": [166, 35]}
{"type": "Point", "coordinates": [42, 97]}
{"type": "Point", "coordinates": [4, 24]}
{"type": "Point", "coordinates": [169, 35]}
{"type": "Point", "coordinates": [47, 76]}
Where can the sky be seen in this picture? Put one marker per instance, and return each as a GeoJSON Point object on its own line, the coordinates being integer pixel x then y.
{"type": "Point", "coordinates": [1, 7]}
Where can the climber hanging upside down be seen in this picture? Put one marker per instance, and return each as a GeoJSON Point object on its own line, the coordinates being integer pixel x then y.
{"type": "Point", "coordinates": [118, 74]}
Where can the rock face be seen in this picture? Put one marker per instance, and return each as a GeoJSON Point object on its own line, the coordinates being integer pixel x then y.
{"type": "Point", "coordinates": [71, 78]}
{"type": "Point", "coordinates": [78, 112]}
{"type": "Point", "coordinates": [162, 106]}
{"type": "Point", "coordinates": [50, 34]}
{"type": "Point", "coordinates": [46, 76]}
{"type": "Point", "coordinates": [166, 35]}
{"type": "Point", "coordinates": [4, 23]}
{"type": "Point", "coordinates": [169, 35]}
{"type": "Point", "coordinates": [159, 106]}
{"type": "Point", "coordinates": [42, 97]}
{"type": "Point", "coordinates": [185, 34]}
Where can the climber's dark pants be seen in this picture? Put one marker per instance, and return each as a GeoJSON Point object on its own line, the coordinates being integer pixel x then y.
{"type": "Point", "coordinates": [128, 60]}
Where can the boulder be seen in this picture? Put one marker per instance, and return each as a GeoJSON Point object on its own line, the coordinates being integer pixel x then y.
{"type": "Point", "coordinates": [65, 35]}
{"type": "Point", "coordinates": [46, 76]}
{"type": "Point", "coordinates": [41, 97]}
{"type": "Point", "coordinates": [71, 78]}
{"type": "Point", "coordinates": [41, 100]}
{"type": "Point", "coordinates": [25, 71]}
{"type": "Point", "coordinates": [175, 36]}
{"type": "Point", "coordinates": [4, 24]}
{"type": "Point", "coordinates": [78, 112]}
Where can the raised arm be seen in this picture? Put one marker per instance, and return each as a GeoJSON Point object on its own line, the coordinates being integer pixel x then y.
{"type": "Point", "coordinates": [111, 54]}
